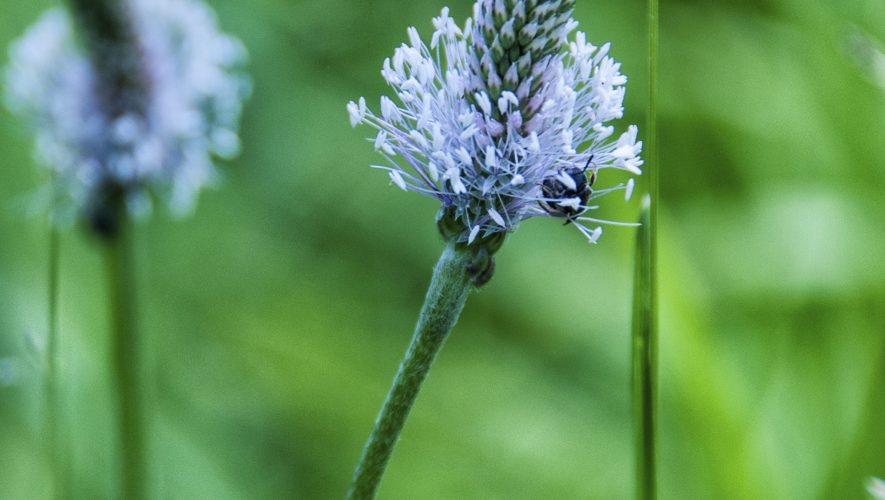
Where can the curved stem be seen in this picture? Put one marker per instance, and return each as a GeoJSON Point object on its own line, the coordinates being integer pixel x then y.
{"type": "Point", "coordinates": [443, 304]}
{"type": "Point", "coordinates": [126, 357]}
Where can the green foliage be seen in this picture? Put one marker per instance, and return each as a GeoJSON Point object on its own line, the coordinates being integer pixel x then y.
{"type": "Point", "coordinates": [277, 313]}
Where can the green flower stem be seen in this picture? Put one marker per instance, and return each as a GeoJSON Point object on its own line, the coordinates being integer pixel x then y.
{"type": "Point", "coordinates": [126, 356]}
{"type": "Point", "coordinates": [644, 362]}
{"type": "Point", "coordinates": [108, 34]}
{"type": "Point", "coordinates": [443, 304]}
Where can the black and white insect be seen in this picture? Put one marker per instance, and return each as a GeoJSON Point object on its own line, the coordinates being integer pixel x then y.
{"type": "Point", "coordinates": [566, 193]}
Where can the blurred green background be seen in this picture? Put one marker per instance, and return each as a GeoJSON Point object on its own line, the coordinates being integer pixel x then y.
{"type": "Point", "coordinates": [277, 313]}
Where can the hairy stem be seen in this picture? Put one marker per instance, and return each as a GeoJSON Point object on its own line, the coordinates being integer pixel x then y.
{"type": "Point", "coordinates": [443, 304]}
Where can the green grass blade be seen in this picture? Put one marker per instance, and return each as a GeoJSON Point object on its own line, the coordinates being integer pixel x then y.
{"type": "Point", "coordinates": [644, 348]}
{"type": "Point", "coordinates": [645, 326]}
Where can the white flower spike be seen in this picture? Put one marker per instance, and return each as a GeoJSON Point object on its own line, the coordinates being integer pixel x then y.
{"type": "Point", "coordinates": [500, 121]}
{"type": "Point", "coordinates": [876, 488]}
{"type": "Point", "coordinates": [163, 148]}
{"type": "Point", "coordinates": [500, 131]}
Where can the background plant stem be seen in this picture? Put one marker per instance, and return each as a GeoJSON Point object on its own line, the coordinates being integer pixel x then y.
{"type": "Point", "coordinates": [644, 350]}
{"type": "Point", "coordinates": [126, 357]}
{"type": "Point", "coordinates": [651, 142]}
{"type": "Point", "coordinates": [443, 304]}
{"type": "Point", "coordinates": [645, 326]}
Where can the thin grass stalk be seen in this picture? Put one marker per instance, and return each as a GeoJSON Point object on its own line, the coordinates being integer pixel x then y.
{"type": "Point", "coordinates": [644, 351]}
{"type": "Point", "coordinates": [54, 450]}
{"type": "Point", "coordinates": [651, 144]}
{"type": "Point", "coordinates": [645, 305]}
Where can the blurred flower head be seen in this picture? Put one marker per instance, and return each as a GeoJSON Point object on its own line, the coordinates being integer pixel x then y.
{"type": "Point", "coordinates": [503, 119]}
{"type": "Point", "coordinates": [876, 488]}
{"type": "Point", "coordinates": [195, 89]}
{"type": "Point", "coordinates": [11, 371]}
{"type": "Point", "coordinates": [868, 54]}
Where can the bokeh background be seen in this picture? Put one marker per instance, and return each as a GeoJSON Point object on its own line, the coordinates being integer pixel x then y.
{"type": "Point", "coordinates": [276, 314]}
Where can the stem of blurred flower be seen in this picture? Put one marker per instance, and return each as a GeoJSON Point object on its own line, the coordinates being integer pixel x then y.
{"type": "Point", "coordinates": [54, 449]}
{"type": "Point", "coordinates": [126, 356]}
{"type": "Point", "coordinates": [443, 304]}
{"type": "Point", "coordinates": [107, 32]}
{"type": "Point", "coordinates": [645, 300]}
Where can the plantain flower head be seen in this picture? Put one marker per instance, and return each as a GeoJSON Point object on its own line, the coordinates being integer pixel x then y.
{"type": "Point", "coordinates": [159, 144]}
{"type": "Point", "coordinates": [876, 488]}
{"type": "Point", "coordinates": [502, 119]}
{"type": "Point", "coordinates": [868, 54]}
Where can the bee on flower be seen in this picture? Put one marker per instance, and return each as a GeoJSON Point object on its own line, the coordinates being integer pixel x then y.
{"type": "Point", "coordinates": [502, 119]}
{"type": "Point", "coordinates": [506, 118]}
